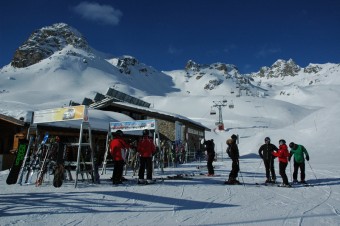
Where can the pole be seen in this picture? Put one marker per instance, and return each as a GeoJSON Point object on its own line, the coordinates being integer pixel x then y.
{"type": "Point", "coordinates": [312, 170]}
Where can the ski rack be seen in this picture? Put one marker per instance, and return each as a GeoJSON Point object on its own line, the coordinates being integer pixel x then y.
{"type": "Point", "coordinates": [107, 147]}
{"type": "Point", "coordinates": [137, 125]}
{"type": "Point", "coordinates": [83, 163]}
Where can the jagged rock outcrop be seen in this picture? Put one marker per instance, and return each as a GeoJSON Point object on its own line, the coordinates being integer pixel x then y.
{"type": "Point", "coordinates": [312, 68]}
{"type": "Point", "coordinates": [44, 42]}
{"type": "Point", "coordinates": [280, 68]}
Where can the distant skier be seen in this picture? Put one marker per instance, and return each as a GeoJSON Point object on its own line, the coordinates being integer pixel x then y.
{"type": "Point", "coordinates": [146, 148]}
{"type": "Point", "coordinates": [265, 153]}
{"type": "Point", "coordinates": [210, 149]}
{"type": "Point", "coordinates": [117, 151]}
{"type": "Point", "coordinates": [299, 151]}
{"type": "Point", "coordinates": [283, 155]}
{"type": "Point", "coordinates": [233, 153]}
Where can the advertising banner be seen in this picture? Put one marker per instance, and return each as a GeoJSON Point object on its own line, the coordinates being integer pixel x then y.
{"type": "Point", "coordinates": [61, 114]}
{"type": "Point", "coordinates": [133, 125]}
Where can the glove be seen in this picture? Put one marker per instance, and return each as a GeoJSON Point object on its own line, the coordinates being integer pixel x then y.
{"type": "Point", "coordinates": [307, 158]}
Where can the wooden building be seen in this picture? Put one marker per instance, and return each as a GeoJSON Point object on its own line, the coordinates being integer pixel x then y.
{"type": "Point", "coordinates": [11, 131]}
{"type": "Point", "coordinates": [172, 127]}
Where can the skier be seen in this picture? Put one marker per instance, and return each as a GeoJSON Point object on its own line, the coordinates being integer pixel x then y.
{"type": "Point", "coordinates": [299, 151]}
{"type": "Point", "coordinates": [210, 149]}
{"type": "Point", "coordinates": [233, 153]}
{"type": "Point", "coordinates": [146, 148]}
{"type": "Point", "coordinates": [118, 150]}
{"type": "Point", "coordinates": [265, 153]}
{"type": "Point", "coordinates": [283, 155]}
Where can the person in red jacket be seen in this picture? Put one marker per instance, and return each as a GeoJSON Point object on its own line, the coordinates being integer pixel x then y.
{"type": "Point", "coordinates": [146, 148]}
{"type": "Point", "coordinates": [118, 150]}
{"type": "Point", "coordinates": [283, 155]}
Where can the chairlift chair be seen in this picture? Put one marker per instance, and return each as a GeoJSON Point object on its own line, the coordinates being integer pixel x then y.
{"type": "Point", "coordinates": [212, 111]}
{"type": "Point", "coordinates": [231, 105]}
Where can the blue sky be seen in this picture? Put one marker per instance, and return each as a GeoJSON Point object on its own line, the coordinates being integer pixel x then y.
{"type": "Point", "coordinates": [166, 34]}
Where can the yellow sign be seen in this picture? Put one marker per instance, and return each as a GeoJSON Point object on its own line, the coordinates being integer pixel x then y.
{"type": "Point", "coordinates": [61, 114]}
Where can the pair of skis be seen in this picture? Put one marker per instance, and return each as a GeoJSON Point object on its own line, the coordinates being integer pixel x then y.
{"type": "Point", "coordinates": [27, 162]}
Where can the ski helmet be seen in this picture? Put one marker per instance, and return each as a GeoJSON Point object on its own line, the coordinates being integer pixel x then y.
{"type": "Point", "coordinates": [267, 139]}
{"type": "Point", "coordinates": [119, 133]}
{"type": "Point", "coordinates": [282, 142]}
{"type": "Point", "coordinates": [146, 132]}
{"type": "Point", "coordinates": [291, 145]}
{"type": "Point", "coordinates": [234, 137]}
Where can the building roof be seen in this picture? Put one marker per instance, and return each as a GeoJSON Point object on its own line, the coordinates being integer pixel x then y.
{"type": "Point", "coordinates": [150, 112]}
{"type": "Point", "coordinates": [4, 119]}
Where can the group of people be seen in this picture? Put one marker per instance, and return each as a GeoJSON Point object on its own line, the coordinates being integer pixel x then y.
{"type": "Point", "coordinates": [232, 152]}
{"type": "Point", "coordinates": [268, 152]}
{"type": "Point", "coordinates": [146, 149]}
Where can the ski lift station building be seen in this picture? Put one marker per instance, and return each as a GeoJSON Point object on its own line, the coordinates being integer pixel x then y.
{"type": "Point", "coordinates": [172, 127]}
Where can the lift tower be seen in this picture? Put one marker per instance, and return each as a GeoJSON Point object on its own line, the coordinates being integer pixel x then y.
{"type": "Point", "coordinates": [219, 105]}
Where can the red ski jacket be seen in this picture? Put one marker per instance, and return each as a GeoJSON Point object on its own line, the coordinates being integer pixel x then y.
{"type": "Point", "coordinates": [146, 147]}
{"type": "Point", "coordinates": [282, 153]}
{"type": "Point", "coordinates": [117, 149]}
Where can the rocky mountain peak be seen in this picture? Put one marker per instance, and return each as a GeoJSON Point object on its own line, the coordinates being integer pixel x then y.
{"type": "Point", "coordinates": [280, 68]}
{"type": "Point", "coordinates": [43, 42]}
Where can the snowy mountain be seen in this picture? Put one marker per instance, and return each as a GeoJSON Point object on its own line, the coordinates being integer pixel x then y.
{"type": "Point", "coordinates": [283, 101]}
{"type": "Point", "coordinates": [280, 96]}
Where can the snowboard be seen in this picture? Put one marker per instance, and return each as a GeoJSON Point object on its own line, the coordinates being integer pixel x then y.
{"type": "Point", "coordinates": [59, 169]}
{"type": "Point", "coordinates": [15, 169]}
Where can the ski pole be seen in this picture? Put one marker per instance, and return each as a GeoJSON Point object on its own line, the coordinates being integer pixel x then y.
{"type": "Point", "coordinates": [238, 163]}
{"type": "Point", "coordinates": [258, 169]}
{"type": "Point", "coordinates": [290, 171]}
{"type": "Point", "coordinates": [312, 170]}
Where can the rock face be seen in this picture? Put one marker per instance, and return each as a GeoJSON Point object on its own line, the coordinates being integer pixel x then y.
{"type": "Point", "coordinates": [280, 68]}
{"type": "Point", "coordinates": [44, 42]}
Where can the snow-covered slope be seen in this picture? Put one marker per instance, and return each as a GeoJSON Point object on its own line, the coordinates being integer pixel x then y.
{"type": "Point", "coordinates": [283, 100]}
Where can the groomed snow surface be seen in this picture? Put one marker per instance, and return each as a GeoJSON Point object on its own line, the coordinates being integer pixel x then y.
{"type": "Point", "coordinates": [201, 200]}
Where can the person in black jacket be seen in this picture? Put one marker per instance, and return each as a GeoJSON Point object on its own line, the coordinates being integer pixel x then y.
{"type": "Point", "coordinates": [233, 153]}
{"type": "Point", "coordinates": [210, 149]}
{"type": "Point", "coordinates": [265, 153]}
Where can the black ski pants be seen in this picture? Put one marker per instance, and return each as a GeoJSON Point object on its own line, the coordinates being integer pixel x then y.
{"type": "Point", "coordinates": [145, 163]}
{"type": "Point", "coordinates": [235, 168]}
{"type": "Point", "coordinates": [117, 171]}
{"type": "Point", "coordinates": [298, 166]}
{"type": "Point", "coordinates": [282, 167]}
{"type": "Point", "coordinates": [269, 165]}
{"type": "Point", "coordinates": [210, 160]}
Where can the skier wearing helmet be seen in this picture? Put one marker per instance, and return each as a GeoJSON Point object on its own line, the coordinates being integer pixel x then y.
{"type": "Point", "coordinates": [283, 155]}
{"type": "Point", "coordinates": [299, 151]}
{"type": "Point", "coordinates": [265, 153]}
{"type": "Point", "coordinates": [233, 153]}
{"type": "Point", "coordinates": [117, 151]}
{"type": "Point", "coordinates": [146, 148]}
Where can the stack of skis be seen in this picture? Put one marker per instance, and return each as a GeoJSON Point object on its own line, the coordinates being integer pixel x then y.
{"type": "Point", "coordinates": [35, 161]}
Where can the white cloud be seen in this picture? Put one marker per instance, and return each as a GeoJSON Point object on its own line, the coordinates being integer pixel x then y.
{"type": "Point", "coordinates": [174, 50]}
{"type": "Point", "coordinates": [99, 13]}
{"type": "Point", "coordinates": [265, 51]}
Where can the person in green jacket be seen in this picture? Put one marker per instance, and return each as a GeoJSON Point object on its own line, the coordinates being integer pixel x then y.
{"type": "Point", "coordinates": [299, 152]}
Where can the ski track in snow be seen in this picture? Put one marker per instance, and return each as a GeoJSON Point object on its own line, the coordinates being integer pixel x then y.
{"type": "Point", "coordinates": [176, 202]}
